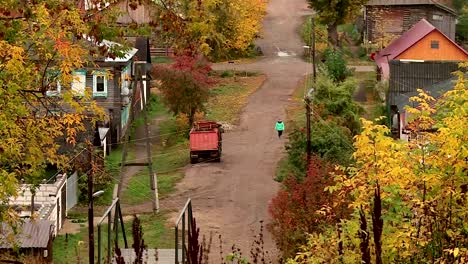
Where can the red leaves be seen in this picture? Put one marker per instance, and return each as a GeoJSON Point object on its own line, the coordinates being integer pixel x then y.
{"type": "Point", "coordinates": [197, 66]}
{"type": "Point", "coordinates": [185, 84]}
{"type": "Point", "coordinates": [295, 209]}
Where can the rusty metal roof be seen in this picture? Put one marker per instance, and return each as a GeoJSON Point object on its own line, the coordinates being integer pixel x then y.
{"type": "Point", "coordinates": [31, 234]}
{"type": "Point", "coordinates": [445, 5]}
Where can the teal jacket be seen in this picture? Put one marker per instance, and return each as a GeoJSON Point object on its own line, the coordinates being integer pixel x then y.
{"type": "Point", "coordinates": [279, 126]}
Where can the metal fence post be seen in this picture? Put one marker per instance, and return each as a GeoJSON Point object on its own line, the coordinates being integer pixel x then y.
{"type": "Point", "coordinates": [183, 238]}
{"type": "Point", "coordinates": [176, 245]}
{"type": "Point", "coordinates": [99, 243]}
{"type": "Point", "coordinates": [109, 256]}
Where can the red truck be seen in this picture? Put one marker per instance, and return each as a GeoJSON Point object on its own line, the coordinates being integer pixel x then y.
{"type": "Point", "coordinates": [206, 141]}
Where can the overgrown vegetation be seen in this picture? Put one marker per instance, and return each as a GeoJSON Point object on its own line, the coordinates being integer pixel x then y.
{"type": "Point", "coordinates": [407, 199]}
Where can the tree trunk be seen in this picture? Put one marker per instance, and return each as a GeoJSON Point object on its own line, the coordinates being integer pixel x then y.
{"type": "Point", "coordinates": [332, 30]}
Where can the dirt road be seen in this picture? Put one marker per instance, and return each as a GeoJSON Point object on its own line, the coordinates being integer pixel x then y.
{"type": "Point", "coordinates": [232, 197]}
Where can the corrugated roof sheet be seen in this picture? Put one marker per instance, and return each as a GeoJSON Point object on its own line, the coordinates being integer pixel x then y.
{"type": "Point", "coordinates": [441, 4]}
{"type": "Point", "coordinates": [31, 234]}
{"type": "Point", "coordinates": [435, 90]}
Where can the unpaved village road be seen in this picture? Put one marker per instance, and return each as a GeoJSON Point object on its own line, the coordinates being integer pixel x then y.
{"type": "Point", "coordinates": [232, 197]}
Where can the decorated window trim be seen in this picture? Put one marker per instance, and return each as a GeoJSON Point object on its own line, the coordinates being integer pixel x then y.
{"type": "Point", "coordinates": [96, 75]}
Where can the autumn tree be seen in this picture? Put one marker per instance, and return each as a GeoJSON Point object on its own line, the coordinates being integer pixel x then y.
{"type": "Point", "coordinates": [411, 197]}
{"type": "Point", "coordinates": [334, 13]}
{"type": "Point", "coordinates": [41, 43]}
{"type": "Point", "coordinates": [216, 28]}
{"type": "Point", "coordinates": [184, 85]}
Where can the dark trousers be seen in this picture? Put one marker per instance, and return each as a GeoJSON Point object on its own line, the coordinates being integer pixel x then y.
{"type": "Point", "coordinates": [280, 132]}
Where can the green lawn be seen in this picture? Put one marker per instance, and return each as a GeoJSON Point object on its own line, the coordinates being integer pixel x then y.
{"type": "Point", "coordinates": [159, 60]}
{"type": "Point", "coordinates": [66, 248]}
{"type": "Point", "coordinates": [156, 232]}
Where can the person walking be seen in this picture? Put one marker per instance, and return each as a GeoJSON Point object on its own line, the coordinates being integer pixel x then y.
{"type": "Point", "coordinates": [279, 127]}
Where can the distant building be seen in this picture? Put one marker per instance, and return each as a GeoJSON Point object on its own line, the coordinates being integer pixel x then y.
{"type": "Point", "coordinates": [422, 57]}
{"type": "Point", "coordinates": [422, 43]}
{"type": "Point", "coordinates": [386, 20]}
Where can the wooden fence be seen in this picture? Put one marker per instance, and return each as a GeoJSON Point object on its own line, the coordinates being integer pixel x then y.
{"type": "Point", "coordinates": [161, 52]}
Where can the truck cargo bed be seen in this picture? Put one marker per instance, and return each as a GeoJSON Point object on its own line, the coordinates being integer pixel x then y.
{"type": "Point", "coordinates": [203, 140]}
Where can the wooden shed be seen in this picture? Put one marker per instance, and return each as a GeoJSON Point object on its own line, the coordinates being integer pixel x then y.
{"type": "Point", "coordinates": [32, 239]}
{"type": "Point", "coordinates": [386, 20]}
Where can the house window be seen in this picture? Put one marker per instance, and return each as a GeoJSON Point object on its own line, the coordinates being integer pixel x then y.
{"type": "Point", "coordinates": [434, 44]}
{"type": "Point", "coordinates": [78, 84]}
{"type": "Point", "coordinates": [99, 84]}
{"type": "Point", "coordinates": [52, 83]}
{"type": "Point", "coordinates": [437, 17]}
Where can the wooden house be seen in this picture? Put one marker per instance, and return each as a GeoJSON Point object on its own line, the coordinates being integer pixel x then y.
{"type": "Point", "coordinates": [386, 20]}
{"type": "Point", "coordinates": [109, 81]}
{"type": "Point", "coordinates": [139, 14]}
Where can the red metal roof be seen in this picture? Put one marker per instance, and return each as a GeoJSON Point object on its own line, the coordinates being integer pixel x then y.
{"type": "Point", "coordinates": [204, 140]}
{"type": "Point", "coordinates": [408, 39]}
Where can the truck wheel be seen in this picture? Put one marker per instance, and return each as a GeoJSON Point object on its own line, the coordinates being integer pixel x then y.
{"type": "Point", "coordinates": [218, 159]}
{"type": "Point", "coordinates": [193, 160]}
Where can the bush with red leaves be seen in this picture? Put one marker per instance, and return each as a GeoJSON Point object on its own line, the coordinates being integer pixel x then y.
{"type": "Point", "coordinates": [295, 209]}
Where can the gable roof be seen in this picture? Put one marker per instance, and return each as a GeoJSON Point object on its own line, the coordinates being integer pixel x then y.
{"type": "Point", "coordinates": [31, 234]}
{"type": "Point", "coordinates": [440, 4]}
{"type": "Point", "coordinates": [407, 40]}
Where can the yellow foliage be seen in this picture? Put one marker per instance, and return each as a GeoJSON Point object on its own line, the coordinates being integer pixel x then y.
{"type": "Point", "coordinates": [423, 185]}
{"type": "Point", "coordinates": [182, 122]}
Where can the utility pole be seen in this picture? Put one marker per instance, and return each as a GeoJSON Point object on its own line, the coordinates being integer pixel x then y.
{"type": "Point", "coordinates": [309, 143]}
{"type": "Point", "coordinates": [313, 48]}
{"type": "Point", "coordinates": [140, 75]}
{"type": "Point", "coordinates": [90, 204]}
{"type": "Point", "coordinates": [152, 174]}
{"type": "Point", "coordinates": [308, 96]}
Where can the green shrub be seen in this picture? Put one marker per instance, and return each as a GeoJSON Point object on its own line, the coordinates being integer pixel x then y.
{"type": "Point", "coordinates": [336, 65]}
{"type": "Point", "coordinates": [227, 74]}
{"type": "Point", "coordinates": [334, 101]}
{"type": "Point", "coordinates": [297, 156]}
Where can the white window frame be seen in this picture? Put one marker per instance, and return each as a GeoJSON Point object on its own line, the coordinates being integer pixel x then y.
{"type": "Point", "coordinates": [97, 93]}
{"type": "Point", "coordinates": [437, 17]}
{"type": "Point", "coordinates": [58, 89]}
{"type": "Point", "coordinates": [78, 91]}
